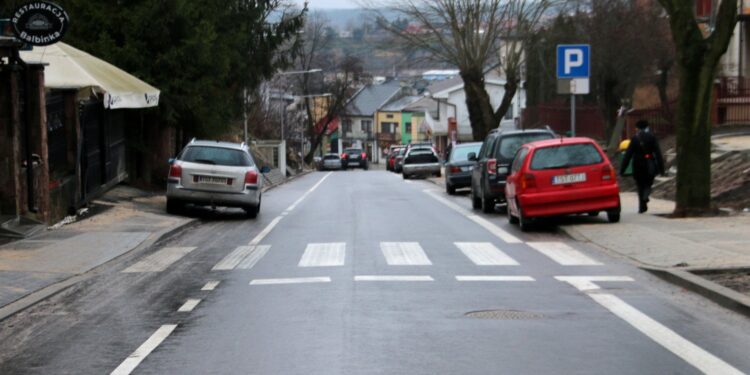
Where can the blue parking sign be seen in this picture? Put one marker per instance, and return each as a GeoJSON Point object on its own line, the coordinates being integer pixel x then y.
{"type": "Point", "coordinates": [573, 61]}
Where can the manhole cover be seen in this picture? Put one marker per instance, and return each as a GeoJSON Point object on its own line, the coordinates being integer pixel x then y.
{"type": "Point", "coordinates": [503, 314]}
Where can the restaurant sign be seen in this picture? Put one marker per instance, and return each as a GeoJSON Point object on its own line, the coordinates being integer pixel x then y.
{"type": "Point", "coordinates": [40, 23]}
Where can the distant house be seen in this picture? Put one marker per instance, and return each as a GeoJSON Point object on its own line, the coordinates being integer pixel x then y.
{"type": "Point", "coordinates": [394, 124]}
{"type": "Point", "coordinates": [358, 121]}
{"type": "Point", "coordinates": [451, 99]}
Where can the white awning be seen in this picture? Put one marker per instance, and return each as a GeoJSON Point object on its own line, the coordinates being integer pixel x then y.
{"type": "Point", "coordinates": [71, 68]}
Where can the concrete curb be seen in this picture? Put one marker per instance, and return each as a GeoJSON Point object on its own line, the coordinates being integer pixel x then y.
{"type": "Point", "coordinates": [290, 179]}
{"type": "Point", "coordinates": [40, 295]}
{"type": "Point", "coordinates": [719, 294]}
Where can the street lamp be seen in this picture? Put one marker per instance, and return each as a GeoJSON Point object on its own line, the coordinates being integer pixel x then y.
{"type": "Point", "coordinates": [283, 114]}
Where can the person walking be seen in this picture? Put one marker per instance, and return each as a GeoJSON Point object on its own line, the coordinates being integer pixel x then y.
{"type": "Point", "coordinates": [647, 160]}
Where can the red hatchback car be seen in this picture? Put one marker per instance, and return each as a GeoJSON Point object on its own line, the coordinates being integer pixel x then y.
{"type": "Point", "coordinates": [561, 176]}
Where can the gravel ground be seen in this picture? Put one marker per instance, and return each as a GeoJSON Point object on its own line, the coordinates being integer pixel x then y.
{"type": "Point", "coordinates": [738, 280]}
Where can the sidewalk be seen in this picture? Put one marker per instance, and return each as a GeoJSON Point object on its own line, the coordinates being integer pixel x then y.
{"type": "Point", "coordinates": [34, 268]}
{"type": "Point", "coordinates": [656, 241]}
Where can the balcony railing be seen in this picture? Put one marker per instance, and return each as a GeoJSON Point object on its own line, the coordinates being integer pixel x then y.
{"type": "Point", "coordinates": [387, 137]}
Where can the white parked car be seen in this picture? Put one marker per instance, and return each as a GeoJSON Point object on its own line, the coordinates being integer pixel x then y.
{"type": "Point", "coordinates": [214, 174]}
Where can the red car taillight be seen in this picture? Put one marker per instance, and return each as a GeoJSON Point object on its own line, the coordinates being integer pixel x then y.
{"type": "Point", "coordinates": [343, 156]}
{"type": "Point", "coordinates": [455, 169]}
{"type": "Point", "coordinates": [492, 166]}
{"type": "Point", "coordinates": [175, 171]}
{"type": "Point", "coordinates": [364, 156]}
{"type": "Point", "coordinates": [528, 181]}
{"type": "Point", "coordinates": [608, 173]}
{"type": "Point", "coordinates": [251, 178]}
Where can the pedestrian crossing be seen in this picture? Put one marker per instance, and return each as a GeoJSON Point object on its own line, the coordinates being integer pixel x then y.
{"type": "Point", "coordinates": [323, 255]}
{"type": "Point", "coordinates": [404, 254]}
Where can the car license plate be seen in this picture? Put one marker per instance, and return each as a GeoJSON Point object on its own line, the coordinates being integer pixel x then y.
{"type": "Point", "coordinates": [569, 178]}
{"type": "Point", "coordinates": [211, 180]}
{"type": "Point", "coordinates": [467, 169]}
{"type": "Point", "coordinates": [355, 156]}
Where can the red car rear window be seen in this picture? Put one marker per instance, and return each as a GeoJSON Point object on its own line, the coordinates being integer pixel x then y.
{"type": "Point", "coordinates": [565, 156]}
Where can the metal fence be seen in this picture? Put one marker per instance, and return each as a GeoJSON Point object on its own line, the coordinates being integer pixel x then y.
{"type": "Point", "coordinates": [732, 103]}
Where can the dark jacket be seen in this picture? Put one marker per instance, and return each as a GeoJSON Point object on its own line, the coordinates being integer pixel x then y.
{"type": "Point", "coordinates": [643, 150]}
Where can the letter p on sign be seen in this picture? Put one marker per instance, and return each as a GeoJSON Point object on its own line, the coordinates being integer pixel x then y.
{"type": "Point", "coordinates": [573, 61]}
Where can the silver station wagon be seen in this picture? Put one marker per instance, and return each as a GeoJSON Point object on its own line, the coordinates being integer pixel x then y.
{"type": "Point", "coordinates": [213, 173]}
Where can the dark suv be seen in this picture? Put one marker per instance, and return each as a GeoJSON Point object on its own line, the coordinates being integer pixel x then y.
{"type": "Point", "coordinates": [354, 157]}
{"type": "Point", "coordinates": [492, 164]}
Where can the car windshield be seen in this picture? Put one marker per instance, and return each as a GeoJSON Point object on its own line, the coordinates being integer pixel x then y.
{"type": "Point", "coordinates": [331, 157]}
{"type": "Point", "coordinates": [461, 153]}
{"type": "Point", "coordinates": [565, 156]}
{"type": "Point", "coordinates": [510, 144]}
{"type": "Point", "coordinates": [217, 155]}
{"type": "Point", "coordinates": [353, 151]}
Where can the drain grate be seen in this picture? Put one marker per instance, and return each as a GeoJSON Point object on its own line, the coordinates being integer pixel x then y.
{"type": "Point", "coordinates": [503, 314]}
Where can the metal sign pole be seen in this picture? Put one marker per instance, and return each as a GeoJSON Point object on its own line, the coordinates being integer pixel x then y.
{"type": "Point", "coordinates": [572, 115]}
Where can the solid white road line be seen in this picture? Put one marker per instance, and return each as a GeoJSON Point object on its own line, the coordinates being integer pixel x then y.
{"type": "Point", "coordinates": [233, 259]}
{"type": "Point", "coordinates": [392, 278]}
{"type": "Point", "coordinates": [265, 231]}
{"type": "Point", "coordinates": [189, 305]}
{"type": "Point", "coordinates": [298, 201]}
{"type": "Point", "coordinates": [485, 254]}
{"type": "Point", "coordinates": [689, 352]}
{"type": "Point", "coordinates": [494, 278]}
{"type": "Point", "coordinates": [563, 254]}
{"type": "Point", "coordinates": [486, 224]}
{"type": "Point", "coordinates": [160, 260]}
{"type": "Point", "coordinates": [296, 280]}
{"type": "Point", "coordinates": [211, 285]}
{"type": "Point", "coordinates": [404, 254]}
{"type": "Point", "coordinates": [128, 365]}
{"type": "Point", "coordinates": [586, 283]}
{"type": "Point", "coordinates": [256, 255]}
{"type": "Point", "coordinates": [323, 255]}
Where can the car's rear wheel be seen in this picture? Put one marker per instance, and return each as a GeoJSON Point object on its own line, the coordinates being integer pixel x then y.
{"type": "Point", "coordinates": [438, 174]}
{"type": "Point", "coordinates": [476, 202]}
{"type": "Point", "coordinates": [511, 219]}
{"type": "Point", "coordinates": [405, 176]}
{"type": "Point", "coordinates": [613, 216]}
{"type": "Point", "coordinates": [523, 223]}
{"type": "Point", "coordinates": [175, 206]}
{"type": "Point", "coordinates": [488, 205]}
{"type": "Point", "coordinates": [450, 189]}
{"type": "Point", "coordinates": [593, 213]}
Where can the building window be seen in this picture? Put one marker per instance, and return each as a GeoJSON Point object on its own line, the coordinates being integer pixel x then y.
{"type": "Point", "coordinates": [389, 115]}
{"type": "Point", "coordinates": [366, 126]}
{"type": "Point", "coordinates": [407, 127]}
{"type": "Point", "coordinates": [347, 126]}
{"type": "Point", "coordinates": [389, 127]}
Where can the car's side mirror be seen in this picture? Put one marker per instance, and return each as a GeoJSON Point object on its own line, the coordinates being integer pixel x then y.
{"type": "Point", "coordinates": [472, 156]}
{"type": "Point", "coordinates": [265, 169]}
{"type": "Point", "coordinates": [171, 161]}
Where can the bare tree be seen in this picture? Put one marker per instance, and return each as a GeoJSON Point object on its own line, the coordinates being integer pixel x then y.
{"type": "Point", "coordinates": [699, 50]}
{"type": "Point", "coordinates": [476, 36]}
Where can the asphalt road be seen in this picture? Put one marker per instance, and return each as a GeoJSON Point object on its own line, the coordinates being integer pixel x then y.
{"type": "Point", "coordinates": [359, 272]}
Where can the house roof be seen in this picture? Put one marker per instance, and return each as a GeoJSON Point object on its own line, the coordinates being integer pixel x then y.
{"type": "Point", "coordinates": [371, 97]}
{"type": "Point", "coordinates": [400, 104]}
{"type": "Point", "coordinates": [443, 88]}
{"type": "Point", "coordinates": [423, 104]}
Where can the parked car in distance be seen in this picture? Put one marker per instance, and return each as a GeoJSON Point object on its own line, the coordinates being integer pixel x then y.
{"type": "Point", "coordinates": [398, 161]}
{"type": "Point", "coordinates": [215, 173]}
{"type": "Point", "coordinates": [458, 166]}
{"type": "Point", "coordinates": [420, 161]}
{"type": "Point", "coordinates": [492, 163]}
{"type": "Point", "coordinates": [353, 158]}
{"type": "Point", "coordinates": [331, 162]}
{"type": "Point", "coordinates": [561, 177]}
{"type": "Point", "coordinates": [391, 157]}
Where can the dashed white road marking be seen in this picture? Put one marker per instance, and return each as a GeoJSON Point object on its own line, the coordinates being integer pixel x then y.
{"type": "Point", "coordinates": [393, 278]}
{"type": "Point", "coordinates": [323, 255]}
{"type": "Point", "coordinates": [233, 259]}
{"type": "Point", "coordinates": [128, 365]}
{"type": "Point", "coordinates": [493, 278]}
{"type": "Point", "coordinates": [298, 201]}
{"type": "Point", "coordinates": [256, 255]}
{"type": "Point", "coordinates": [265, 231]}
{"type": "Point", "coordinates": [563, 254]}
{"type": "Point", "coordinates": [160, 260]}
{"type": "Point", "coordinates": [295, 280]}
{"type": "Point", "coordinates": [485, 254]}
{"type": "Point", "coordinates": [404, 254]}
{"type": "Point", "coordinates": [189, 305]}
{"type": "Point", "coordinates": [486, 224]}
{"type": "Point", "coordinates": [211, 285]}
{"type": "Point", "coordinates": [689, 352]}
